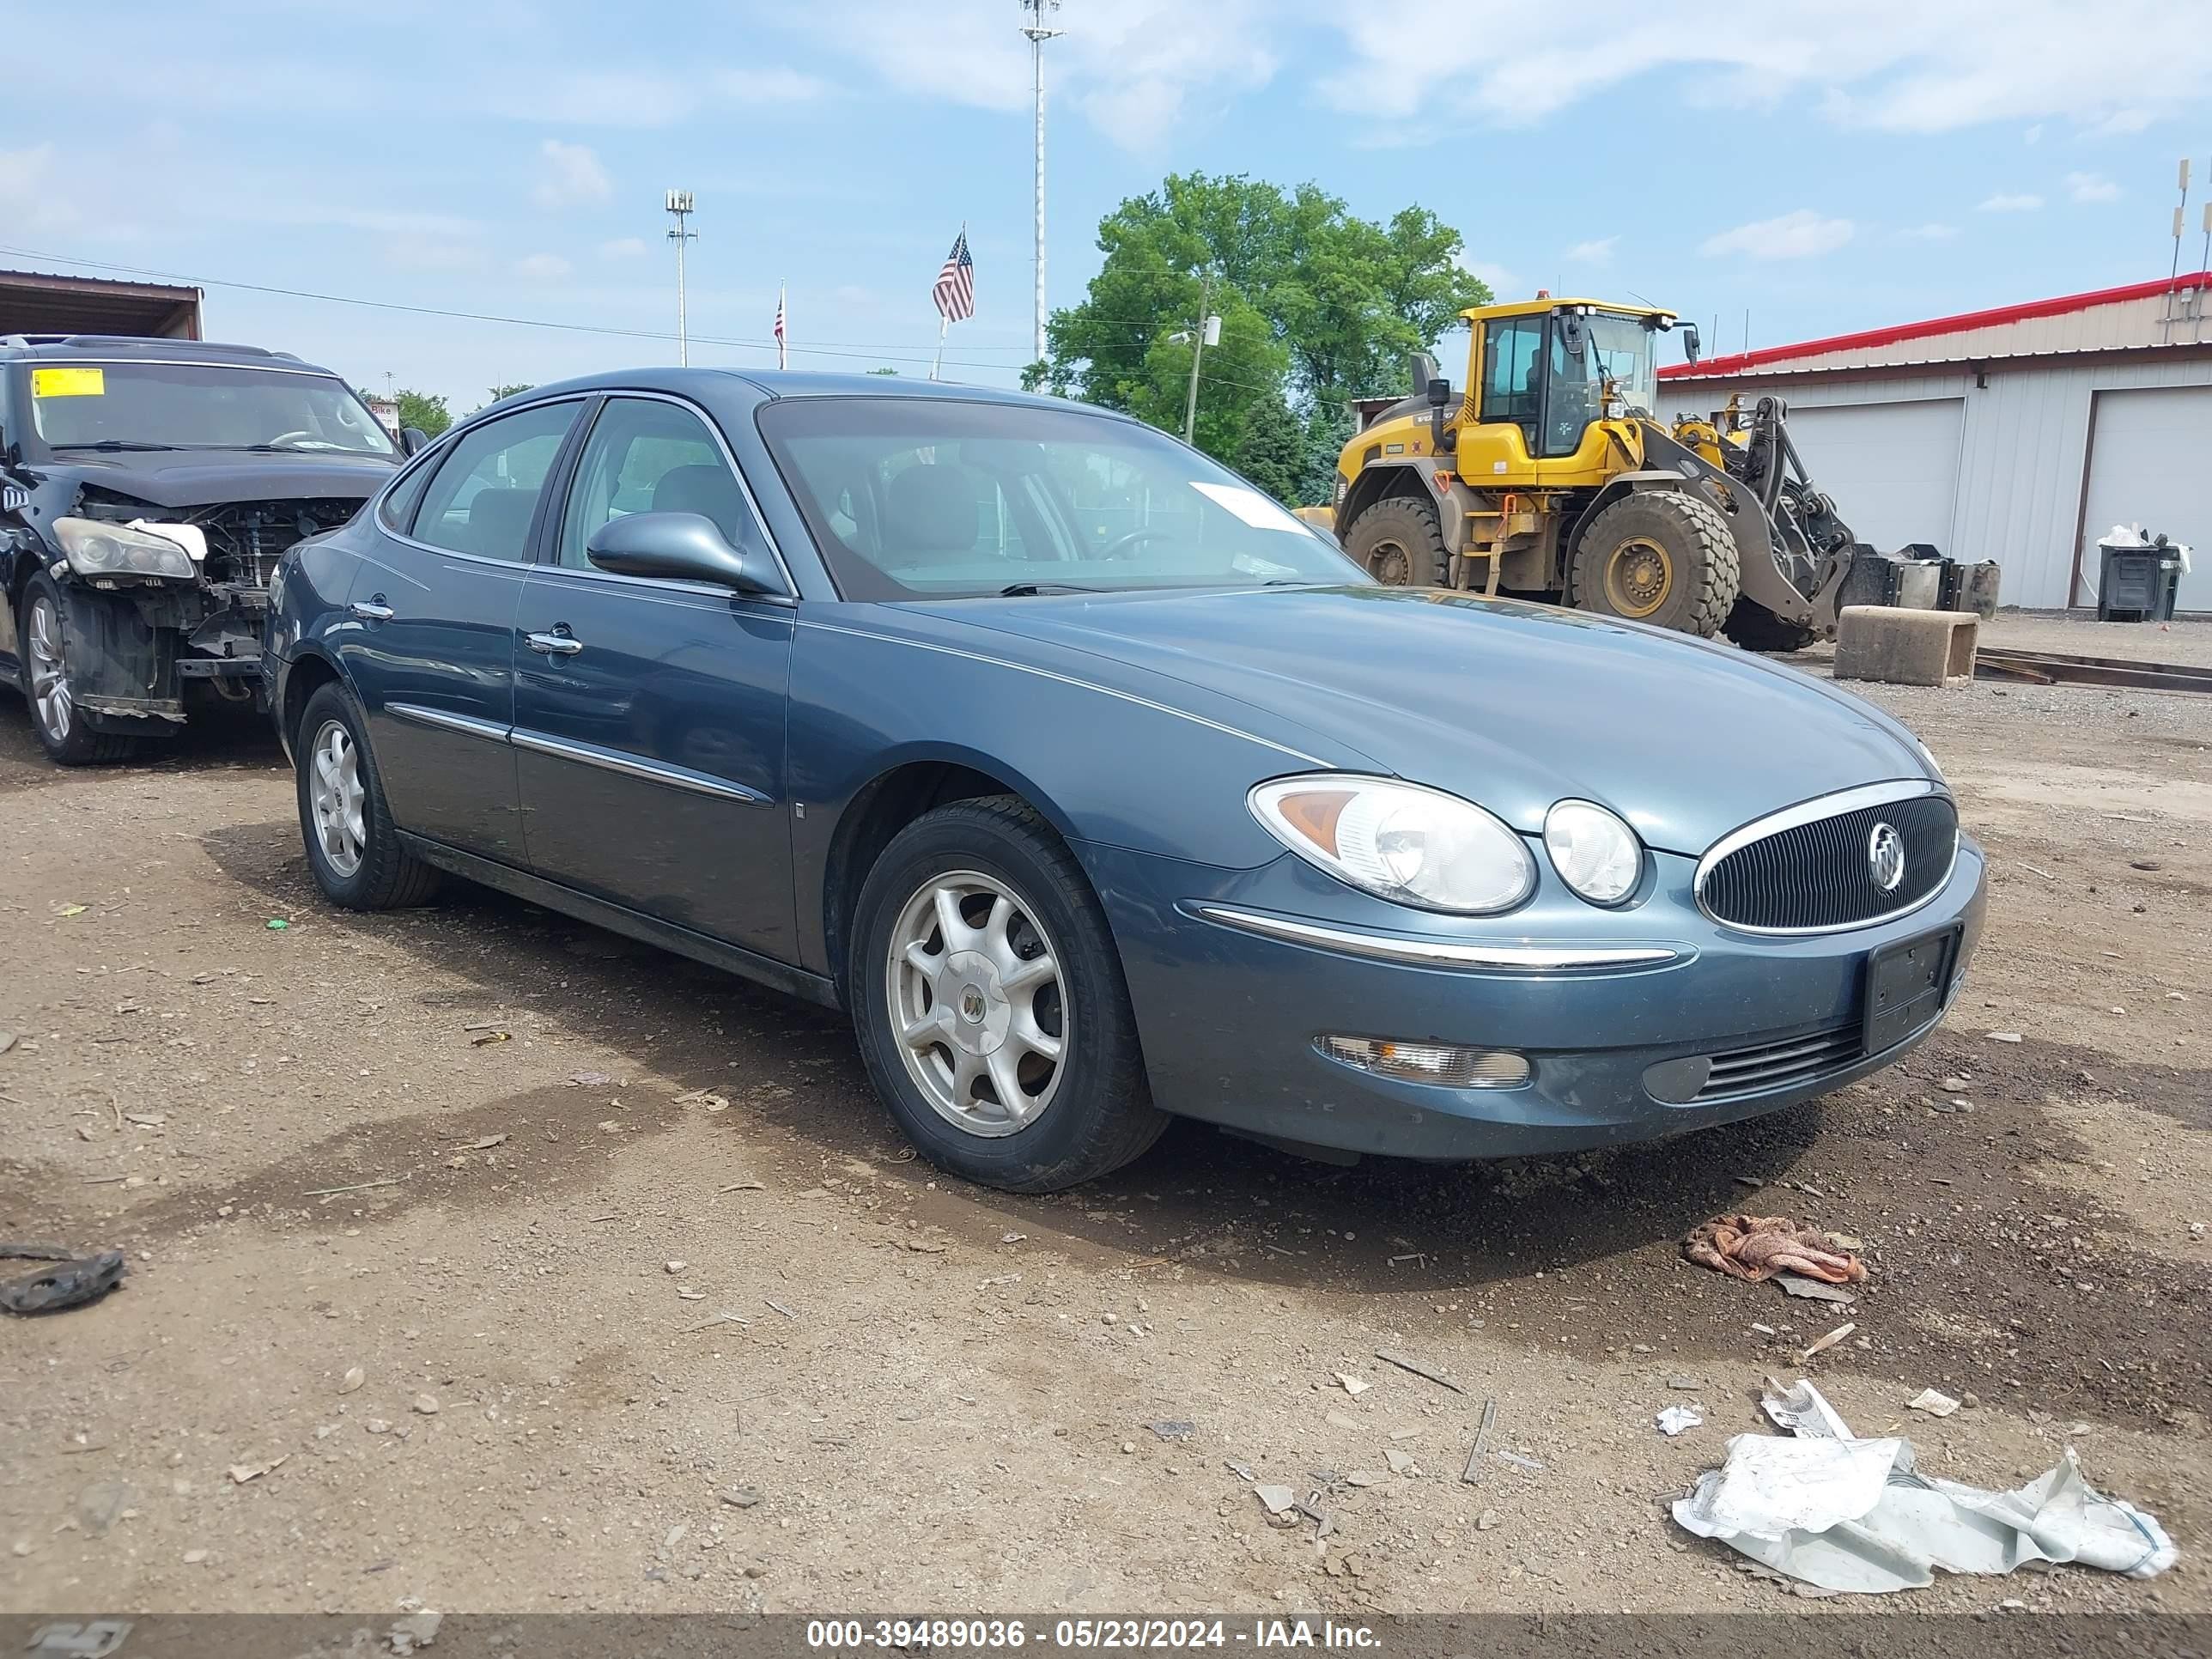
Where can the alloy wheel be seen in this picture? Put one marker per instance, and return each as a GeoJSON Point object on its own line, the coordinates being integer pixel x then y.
{"type": "Point", "coordinates": [50, 691]}
{"type": "Point", "coordinates": [335, 793]}
{"type": "Point", "coordinates": [978, 1003]}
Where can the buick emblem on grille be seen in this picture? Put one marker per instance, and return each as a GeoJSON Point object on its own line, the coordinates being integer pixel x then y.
{"type": "Point", "coordinates": [1886, 857]}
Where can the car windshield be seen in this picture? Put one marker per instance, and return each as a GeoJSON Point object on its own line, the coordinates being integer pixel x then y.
{"type": "Point", "coordinates": [927, 498]}
{"type": "Point", "coordinates": [126, 405]}
{"type": "Point", "coordinates": [1619, 350]}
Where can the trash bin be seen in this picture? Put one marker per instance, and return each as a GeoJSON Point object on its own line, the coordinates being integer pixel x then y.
{"type": "Point", "coordinates": [2138, 578]}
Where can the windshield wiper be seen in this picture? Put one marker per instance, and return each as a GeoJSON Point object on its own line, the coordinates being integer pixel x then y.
{"type": "Point", "coordinates": [113, 444]}
{"type": "Point", "coordinates": [1024, 590]}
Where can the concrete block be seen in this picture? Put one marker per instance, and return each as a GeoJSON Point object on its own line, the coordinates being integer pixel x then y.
{"type": "Point", "coordinates": [1904, 647]}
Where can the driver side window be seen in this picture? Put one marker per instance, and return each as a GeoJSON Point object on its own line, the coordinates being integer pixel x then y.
{"type": "Point", "coordinates": [1513, 372]}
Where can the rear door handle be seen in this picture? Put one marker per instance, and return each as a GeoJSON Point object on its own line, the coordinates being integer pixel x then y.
{"type": "Point", "coordinates": [370, 610]}
{"type": "Point", "coordinates": [558, 643]}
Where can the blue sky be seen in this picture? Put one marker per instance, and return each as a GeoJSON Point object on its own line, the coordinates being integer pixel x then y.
{"type": "Point", "coordinates": [1825, 168]}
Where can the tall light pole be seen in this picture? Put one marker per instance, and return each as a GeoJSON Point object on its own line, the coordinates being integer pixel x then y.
{"type": "Point", "coordinates": [1037, 33]}
{"type": "Point", "coordinates": [679, 204]}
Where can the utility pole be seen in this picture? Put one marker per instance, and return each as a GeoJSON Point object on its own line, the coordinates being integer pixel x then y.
{"type": "Point", "coordinates": [679, 204]}
{"type": "Point", "coordinates": [1035, 31]}
{"type": "Point", "coordinates": [1208, 332]}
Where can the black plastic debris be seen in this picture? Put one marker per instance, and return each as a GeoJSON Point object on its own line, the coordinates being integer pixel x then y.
{"type": "Point", "coordinates": [68, 1281]}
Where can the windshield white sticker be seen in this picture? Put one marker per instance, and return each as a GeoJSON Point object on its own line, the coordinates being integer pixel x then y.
{"type": "Point", "coordinates": [1250, 506]}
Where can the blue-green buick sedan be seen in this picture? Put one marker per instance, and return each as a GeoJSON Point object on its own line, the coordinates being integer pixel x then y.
{"type": "Point", "coordinates": [1099, 789]}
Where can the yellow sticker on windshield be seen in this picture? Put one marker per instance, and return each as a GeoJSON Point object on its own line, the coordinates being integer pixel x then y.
{"type": "Point", "coordinates": [68, 383]}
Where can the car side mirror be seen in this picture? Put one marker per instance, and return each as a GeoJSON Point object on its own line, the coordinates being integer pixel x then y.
{"type": "Point", "coordinates": [687, 547]}
{"type": "Point", "coordinates": [1692, 345]}
{"type": "Point", "coordinates": [413, 440]}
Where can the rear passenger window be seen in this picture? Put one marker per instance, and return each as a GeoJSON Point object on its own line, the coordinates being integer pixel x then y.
{"type": "Point", "coordinates": [485, 495]}
{"type": "Point", "coordinates": [399, 502]}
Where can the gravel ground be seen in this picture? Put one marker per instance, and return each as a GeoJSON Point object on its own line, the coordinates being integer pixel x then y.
{"type": "Point", "coordinates": [485, 1260]}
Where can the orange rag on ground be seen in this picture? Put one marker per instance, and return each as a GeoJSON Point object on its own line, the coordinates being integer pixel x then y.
{"type": "Point", "coordinates": [1757, 1246]}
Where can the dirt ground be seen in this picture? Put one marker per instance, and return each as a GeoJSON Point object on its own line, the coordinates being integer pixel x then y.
{"type": "Point", "coordinates": [483, 1261]}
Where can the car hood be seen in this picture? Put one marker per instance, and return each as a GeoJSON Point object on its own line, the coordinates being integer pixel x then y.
{"type": "Point", "coordinates": [208, 477]}
{"type": "Point", "coordinates": [1513, 706]}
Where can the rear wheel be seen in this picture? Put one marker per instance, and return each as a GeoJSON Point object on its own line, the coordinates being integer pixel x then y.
{"type": "Point", "coordinates": [63, 732]}
{"type": "Point", "coordinates": [1661, 557]}
{"type": "Point", "coordinates": [1400, 542]}
{"type": "Point", "coordinates": [988, 1000]}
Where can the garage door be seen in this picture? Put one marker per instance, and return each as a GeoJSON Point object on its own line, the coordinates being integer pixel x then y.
{"type": "Point", "coordinates": [2147, 466]}
{"type": "Point", "coordinates": [1892, 469]}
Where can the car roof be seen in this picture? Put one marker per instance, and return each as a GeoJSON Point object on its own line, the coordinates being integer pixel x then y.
{"type": "Point", "coordinates": [139, 348]}
{"type": "Point", "coordinates": [766, 385]}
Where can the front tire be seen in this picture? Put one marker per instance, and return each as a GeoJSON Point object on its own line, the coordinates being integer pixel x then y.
{"type": "Point", "coordinates": [1661, 557]}
{"type": "Point", "coordinates": [1399, 543]}
{"type": "Point", "coordinates": [354, 850]}
{"type": "Point", "coordinates": [62, 729]}
{"type": "Point", "coordinates": [989, 1003]}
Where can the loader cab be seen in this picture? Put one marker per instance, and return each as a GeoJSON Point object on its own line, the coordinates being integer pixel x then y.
{"type": "Point", "coordinates": [1546, 369]}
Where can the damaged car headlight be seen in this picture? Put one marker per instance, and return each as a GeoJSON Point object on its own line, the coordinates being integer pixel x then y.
{"type": "Point", "coordinates": [1399, 841]}
{"type": "Point", "coordinates": [94, 548]}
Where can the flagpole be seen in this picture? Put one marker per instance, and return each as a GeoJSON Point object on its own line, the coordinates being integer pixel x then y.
{"type": "Point", "coordinates": [937, 362]}
{"type": "Point", "coordinates": [782, 328]}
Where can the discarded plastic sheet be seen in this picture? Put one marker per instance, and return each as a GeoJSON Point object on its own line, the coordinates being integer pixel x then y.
{"type": "Point", "coordinates": [1855, 1516]}
{"type": "Point", "coordinates": [1934, 1401]}
{"type": "Point", "coordinates": [1675, 1419]}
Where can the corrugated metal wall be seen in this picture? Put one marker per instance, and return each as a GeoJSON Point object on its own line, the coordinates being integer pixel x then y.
{"type": "Point", "coordinates": [2023, 451]}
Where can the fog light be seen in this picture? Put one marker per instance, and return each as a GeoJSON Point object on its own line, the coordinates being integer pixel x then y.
{"type": "Point", "coordinates": [1445, 1064]}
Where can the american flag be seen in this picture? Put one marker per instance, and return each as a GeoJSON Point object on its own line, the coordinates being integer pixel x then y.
{"type": "Point", "coordinates": [955, 292]}
{"type": "Point", "coordinates": [782, 351]}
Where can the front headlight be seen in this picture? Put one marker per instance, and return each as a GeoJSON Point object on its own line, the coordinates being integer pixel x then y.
{"type": "Point", "coordinates": [1399, 841]}
{"type": "Point", "coordinates": [94, 548]}
{"type": "Point", "coordinates": [1594, 853]}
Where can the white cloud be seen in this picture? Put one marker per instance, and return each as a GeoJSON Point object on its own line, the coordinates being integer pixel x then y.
{"type": "Point", "coordinates": [1598, 251]}
{"type": "Point", "coordinates": [770, 86]}
{"type": "Point", "coordinates": [1931, 231]}
{"type": "Point", "coordinates": [1898, 65]}
{"type": "Point", "coordinates": [1134, 68]}
{"type": "Point", "coordinates": [1504, 284]}
{"type": "Point", "coordinates": [622, 247]}
{"type": "Point", "coordinates": [571, 176]}
{"type": "Point", "coordinates": [2090, 187]}
{"type": "Point", "coordinates": [542, 267]}
{"type": "Point", "coordinates": [2010, 202]}
{"type": "Point", "coordinates": [1803, 234]}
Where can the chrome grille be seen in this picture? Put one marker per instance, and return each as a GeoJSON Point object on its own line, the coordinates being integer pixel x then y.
{"type": "Point", "coordinates": [1780, 1065]}
{"type": "Point", "coordinates": [1808, 869]}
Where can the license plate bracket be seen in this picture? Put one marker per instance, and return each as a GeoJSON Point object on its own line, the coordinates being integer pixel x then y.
{"type": "Point", "coordinates": [1905, 984]}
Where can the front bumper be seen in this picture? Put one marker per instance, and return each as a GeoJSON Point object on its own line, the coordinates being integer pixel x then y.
{"type": "Point", "coordinates": [1230, 1019]}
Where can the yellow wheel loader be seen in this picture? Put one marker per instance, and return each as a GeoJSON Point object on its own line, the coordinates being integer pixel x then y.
{"type": "Point", "coordinates": [1550, 478]}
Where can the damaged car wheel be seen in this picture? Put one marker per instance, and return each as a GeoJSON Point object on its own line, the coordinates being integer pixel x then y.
{"type": "Point", "coordinates": [63, 731]}
{"type": "Point", "coordinates": [352, 847]}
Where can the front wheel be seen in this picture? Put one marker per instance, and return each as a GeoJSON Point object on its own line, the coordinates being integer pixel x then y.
{"type": "Point", "coordinates": [989, 1003]}
{"type": "Point", "coordinates": [63, 732]}
{"type": "Point", "coordinates": [1400, 542]}
{"type": "Point", "coordinates": [1661, 557]}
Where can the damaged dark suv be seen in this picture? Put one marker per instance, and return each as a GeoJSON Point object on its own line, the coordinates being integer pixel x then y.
{"type": "Point", "coordinates": [147, 489]}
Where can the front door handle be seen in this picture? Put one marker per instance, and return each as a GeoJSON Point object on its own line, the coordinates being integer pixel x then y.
{"type": "Point", "coordinates": [371, 610]}
{"type": "Point", "coordinates": [559, 643]}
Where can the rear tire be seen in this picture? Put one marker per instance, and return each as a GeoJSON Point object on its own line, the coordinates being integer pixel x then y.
{"type": "Point", "coordinates": [1755, 628]}
{"type": "Point", "coordinates": [974, 893]}
{"type": "Point", "coordinates": [354, 849]}
{"type": "Point", "coordinates": [1400, 543]}
{"type": "Point", "coordinates": [42, 635]}
{"type": "Point", "coordinates": [1661, 557]}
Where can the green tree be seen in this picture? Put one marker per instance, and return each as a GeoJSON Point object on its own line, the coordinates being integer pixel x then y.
{"type": "Point", "coordinates": [1343, 300]}
{"type": "Point", "coordinates": [1271, 452]}
{"type": "Point", "coordinates": [883, 371]}
{"type": "Point", "coordinates": [422, 409]}
{"type": "Point", "coordinates": [1245, 369]}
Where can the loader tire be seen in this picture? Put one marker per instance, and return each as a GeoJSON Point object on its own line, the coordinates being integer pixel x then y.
{"type": "Point", "coordinates": [1755, 628]}
{"type": "Point", "coordinates": [1661, 557]}
{"type": "Point", "coordinates": [1400, 543]}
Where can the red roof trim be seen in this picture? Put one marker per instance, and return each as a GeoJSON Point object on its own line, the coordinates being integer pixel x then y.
{"type": "Point", "coordinates": [1874, 337]}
